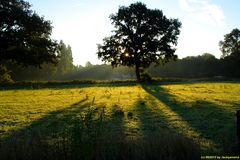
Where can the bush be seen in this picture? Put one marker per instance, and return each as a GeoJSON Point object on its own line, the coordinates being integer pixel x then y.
{"type": "Point", "coordinates": [146, 76]}
{"type": "Point", "coordinates": [5, 75]}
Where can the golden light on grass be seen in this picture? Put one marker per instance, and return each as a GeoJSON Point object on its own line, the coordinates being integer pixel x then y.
{"type": "Point", "coordinates": [196, 111]}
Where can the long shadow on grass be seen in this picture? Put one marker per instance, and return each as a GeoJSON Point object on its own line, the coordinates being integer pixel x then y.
{"type": "Point", "coordinates": [50, 137]}
{"type": "Point", "coordinates": [79, 131]}
{"type": "Point", "coordinates": [121, 142]}
{"type": "Point", "coordinates": [157, 130]}
{"type": "Point", "coordinates": [208, 119]}
{"type": "Point", "coordinates": [151, 118]}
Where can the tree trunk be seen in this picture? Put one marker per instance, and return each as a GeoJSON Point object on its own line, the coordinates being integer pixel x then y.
{"type": "Point", "coordinates": [137, 73]}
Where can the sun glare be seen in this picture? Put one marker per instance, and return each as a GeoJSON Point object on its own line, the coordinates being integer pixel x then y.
{"type": "Point", "coordinates": [126, 55]}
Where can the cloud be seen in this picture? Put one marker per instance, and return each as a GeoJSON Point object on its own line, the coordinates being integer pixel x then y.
{"type": "Point", "coordinates": [203, 11]}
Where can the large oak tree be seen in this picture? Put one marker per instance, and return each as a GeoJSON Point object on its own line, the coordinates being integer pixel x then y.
{"type": "Point", "coordinates": [142, 36]}
{"type": "Point", "coordinates": [24, 35]}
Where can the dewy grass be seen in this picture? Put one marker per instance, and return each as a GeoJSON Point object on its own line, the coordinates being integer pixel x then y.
{"type": "Point", "coordinates": [162, 121]}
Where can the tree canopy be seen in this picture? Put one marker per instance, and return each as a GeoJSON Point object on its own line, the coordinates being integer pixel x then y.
{"type": "Point", "coordinates": [142, 36]}
{"type": "Point", "coordinates": [230, 46]}
{"type": "Point", "coordinates": [48, 71]}
{"type": "Point", "coordinates": [24, 35]}
{"type": "Point", "coordinates": [65, 64]}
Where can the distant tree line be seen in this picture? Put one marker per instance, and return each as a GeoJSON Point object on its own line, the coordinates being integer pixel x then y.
{"type": "Point", "coordinates": [206, 65]}
{"type": "Point", "coordinates": [202, 66]}
{"type": "Point", "coordinates": [47, 71]}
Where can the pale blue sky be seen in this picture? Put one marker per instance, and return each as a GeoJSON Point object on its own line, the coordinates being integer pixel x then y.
{"type": "Point", "coordinates": [84, 23]}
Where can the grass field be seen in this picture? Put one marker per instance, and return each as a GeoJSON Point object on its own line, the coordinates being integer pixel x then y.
{"type": "Point", "coordinates": [66, 121]}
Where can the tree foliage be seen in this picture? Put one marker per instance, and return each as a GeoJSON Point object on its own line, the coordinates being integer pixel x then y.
{"type": "Point", "coordinates": [201, 66]}
{"type": "Point", "coordinates": [142, 36]}
{"type": "Point", "coordinates": [4, 74]}
{"type": "Point", "coordinates": [230, 46]}
{"type": "Point", "coordinates": [88, 64]}
{"type": "Point", "coordinates": [48, 71]}
{"type": "Point", "coordinates": [65, 64]}
{"type": "Point", "coordinates": [24, 35]}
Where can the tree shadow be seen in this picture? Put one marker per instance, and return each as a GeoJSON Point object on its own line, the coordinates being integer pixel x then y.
{"type": "Point", "coordinates": [145, 139]}
{"type": "Point", "coordinates": [159, 132]}
{"type": "Point", "coordinates": [47, 137]}
{"type": "Point", "coordinates": [207, 120]}
{"type": "Point", "coordinates": [151, 119]}
{"type": "Point", "coordinates": [84, 131]}
{"type": "Point", "coordinates": [79, 131]}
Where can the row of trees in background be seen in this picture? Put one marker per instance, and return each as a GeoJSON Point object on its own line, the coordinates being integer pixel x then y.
{"type": "Point", "coordinates": [207, 65]}
{"type": "Point", "coordinates": [47, 71]}
{"type": "Point", "coordinates": [202, 66]}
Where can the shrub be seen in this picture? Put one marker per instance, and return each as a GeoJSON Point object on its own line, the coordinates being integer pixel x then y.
{"type": "Point", "coordinates": [146, 76]}
{"type": "Point", "coordinates": [5, 75]}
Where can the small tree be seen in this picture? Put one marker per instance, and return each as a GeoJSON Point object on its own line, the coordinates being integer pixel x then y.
{"type": "Point", "coordinates": [142, 36]}
{"type": "Point", "coordinates": [4, 75]}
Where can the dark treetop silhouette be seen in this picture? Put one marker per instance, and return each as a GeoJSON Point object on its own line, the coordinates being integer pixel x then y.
{"type": "Point", "coordinates": [142, 36]}
{"type": "Point", "coordinates": [230, 46]}
{"type": "Point", "coordinates": [24, 36]}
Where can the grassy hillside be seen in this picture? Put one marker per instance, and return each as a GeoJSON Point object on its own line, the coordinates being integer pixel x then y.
{"type": "Point", "coordinates": [176, 118]}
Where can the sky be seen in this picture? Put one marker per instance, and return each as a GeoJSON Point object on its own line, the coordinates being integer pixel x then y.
{"type": "Point", "coordinates": [83, 24]}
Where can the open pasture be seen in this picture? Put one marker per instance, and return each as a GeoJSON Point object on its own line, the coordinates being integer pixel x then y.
{"type": "Point", "coordinates": [70, 120]}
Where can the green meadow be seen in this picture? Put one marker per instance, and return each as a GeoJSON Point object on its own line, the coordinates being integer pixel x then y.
{"type": "Point", "coordinates": [83, 121]}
